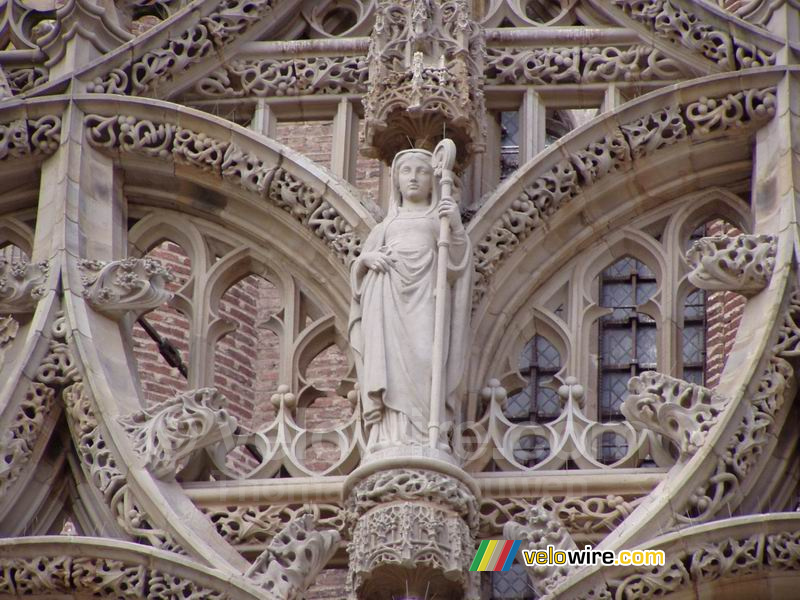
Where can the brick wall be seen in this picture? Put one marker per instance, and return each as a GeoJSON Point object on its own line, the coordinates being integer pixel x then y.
{"type": "Point", "coordinates": [246, 361]}
{"type": "Point", "coordinates": [723, 315]}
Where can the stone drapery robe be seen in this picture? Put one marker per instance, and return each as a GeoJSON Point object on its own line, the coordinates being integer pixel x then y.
{"type": "Point", "coordinates": [392, 323]}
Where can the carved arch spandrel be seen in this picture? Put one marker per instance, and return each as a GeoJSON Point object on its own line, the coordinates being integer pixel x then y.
{"type": "Point", "coordinates": [183, 48]}
{"type": "Point", "coordinates": [59, 565]}
{"type": "Point", "coordinates": [546, 213]}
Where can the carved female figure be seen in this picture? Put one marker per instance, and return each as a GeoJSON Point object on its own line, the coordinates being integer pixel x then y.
{"type": "Point", "coordinates": [392, 308]}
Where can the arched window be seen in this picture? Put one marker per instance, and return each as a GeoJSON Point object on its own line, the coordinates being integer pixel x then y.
{"type": "Point", "coordinates": [537, 401]}
{"type": "Point", "coordinates": [693, 338]}
{"type": "Point", "coordinates": [627, 338]}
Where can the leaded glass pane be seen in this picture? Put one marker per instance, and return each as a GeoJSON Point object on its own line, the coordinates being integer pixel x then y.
{"type": "Point", "coordinates": [695, 305]}
{"type": "Point", "coordinates": [617, 294]}
{"type": "Point", "coordinates": [646, 347]}
{"type": "Point", "coordinates": [509, 129]}
{"type": "Point", "coordinates": [611, 447]}
{"type": "Point", "coordinates": [693, 344]}
{"type": "Point", "coordinates": [526, 358]}
{"type": "Point", "coordinates": [694, 375]}
{"type": "Point", "coordinates": [518, 406]}
{"type": "Point", "coordinates": [547, 356]}
{"type": "Point", "coordinates": [622, 269]}
{"type": "Point", "coordinates": [548, 404]}
{"type": "Point", "coordinates": [512, 585]}
{"type": "Point", "coordinates": [645, 291]}
{"type": "Point", "coordinates": [643, 271]}
{"type": "Point", "coordinates": [613, 389]}
{"type": "Point", "coordinates": [531, 450]}
{"type": "Point", "coordinates": [617, 346]}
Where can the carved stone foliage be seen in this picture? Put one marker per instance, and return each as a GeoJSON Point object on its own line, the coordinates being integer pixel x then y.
{"type": "Point", "coordinates": [229, 162]}
{"type": "Point", "coordinates": [169, 434]}
{"type": "Point", "coordinates": [257, 525]}
{"type": "Point", "coordinates": [117, 287]}
{"type": "Point", "coordinates": [578, 65]}
{"type": "Point", "coordinates": [30, 137]}
{"type": "Point", "coordinates": [294, 558]}
{"type": "Point", "coordinates": [210, 34]}
{"type": "Point", "coordinates": [671, 20]}
{"type": "Point", "coordinates": [22, 79]}
{"type": "Point", "coordinates": [287, 77]}
{"type": "Point", "coordinates": [22, 285]}
{"type": "Point", "coordinates": [588, 516]}
{"type": "Point", "coordinates": [732, 557]}
{"type": "Point", "coordinates": [415, 485]}
{"type": "Point", "coordinates": [100, 465]}
{"type": "Point", "coordinates": [540, 530]}
{"type": "Point", "coordinates": [745, 449]}
{"type": "Point", "coordinates": [270, 77]}
{"type": "Point", "coordinates": [741, 263]}
{"type": "Point", "coordinates": [412, 528]}
{"type": "Point", "coordinates": [570, 439]}
{"type": "Point", "coordinates": [56, 370]}
{"type": "Point", "coordinates": [101, 577]}
{"type": "Point", "coordinates": [757, 12]}
{"type": "Point", "coordinates": [547, 193]}
{"type": "Point", "coordinates": [681, 411]}
{"type": "Point", "coordinates": [9, 327]}
{"type": "Point", "coordinates": [425, 73]}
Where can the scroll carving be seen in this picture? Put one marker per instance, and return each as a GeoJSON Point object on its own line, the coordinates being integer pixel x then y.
{"type": "Point", "coordinates": [56, 370]}
{"type": "Point", "coordinates": [580, 516]}
{"type": "Point", "coordinates": [744, 450]}
{"type": "Point", "coordinates": [681, 411]}
{"type": "Point", "coordinates": [741, 263]}
{"type": "Point", "coordinates": [208, 35]}
{"type": "Point", "coordinates": [547, 193]}
{"type": "Point", "coordinates": [710, 561]}
{"type": "Point", "coordinates": [293, 559]}
{"type": "Point", "coordinates": [668, 19]}
{"type": "Point", "coordinates": [22, 285]}
{"type": "Point", "coordinates": [101, 577]}
{"type": "Point", "coordinates": [169, 434]}
{"type": "Point", "coordinates": [578, 65]}
{"type": "Point", "coordinates": [243, 525]}
{"type": "Point", "coordinates": [117, 287]}
{"type": "Point", "coordinates": [30, 137]}
{"type": "Point", "coordinates": [287, 77]}
{"type": "Point", "coordinates": [231, 163]}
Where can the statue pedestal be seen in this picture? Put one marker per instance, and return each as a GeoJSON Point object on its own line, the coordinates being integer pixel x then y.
{"type": "Point", "coordinates": [415, 512]}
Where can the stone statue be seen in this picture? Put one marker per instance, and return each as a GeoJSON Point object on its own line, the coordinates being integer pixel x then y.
{"type": "Point", "coordinates": [393, 303]}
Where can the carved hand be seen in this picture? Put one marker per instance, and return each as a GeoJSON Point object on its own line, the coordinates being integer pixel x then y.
{"type": "Point", "coordinates": [448, 208]}
{"type": "Point", "coordinates": [380, 261]}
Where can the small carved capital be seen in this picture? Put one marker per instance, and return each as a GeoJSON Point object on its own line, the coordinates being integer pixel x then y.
{"type": "Point", "coordinates": [741, 263]}
{"type": "Point", "coordinates": [133, 284]}
{"type": "Point", "coordinates": [22, 284]}
{"type": "Point", "coordinates": [173, 431]}
{"type": "Point", "coordinates": [681, 411]}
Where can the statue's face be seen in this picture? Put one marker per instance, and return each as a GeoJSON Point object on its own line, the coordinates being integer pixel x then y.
{"type": "Point", "coordinates": [415, 179]}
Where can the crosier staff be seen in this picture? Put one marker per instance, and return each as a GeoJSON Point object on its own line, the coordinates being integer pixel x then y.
{"type": "Point", "coordinates": [444, 157]}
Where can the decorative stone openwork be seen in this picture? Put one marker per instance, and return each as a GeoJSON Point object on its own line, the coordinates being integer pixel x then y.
{"type": "Point", "coordinates": [413, 531]}
{"type": "Point", "coordinates": [425, 78]}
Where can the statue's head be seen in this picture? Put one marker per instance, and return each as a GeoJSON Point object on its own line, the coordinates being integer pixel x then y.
{"type": "Point", "coordinates": [412, 178]}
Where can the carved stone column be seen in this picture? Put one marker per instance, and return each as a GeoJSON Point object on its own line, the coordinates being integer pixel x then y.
{"type": "Point", "coordinates": [413, 523]}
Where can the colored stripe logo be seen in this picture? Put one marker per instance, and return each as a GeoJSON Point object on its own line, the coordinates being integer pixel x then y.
{"type": "Point", "coordinates": [495, 555]}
